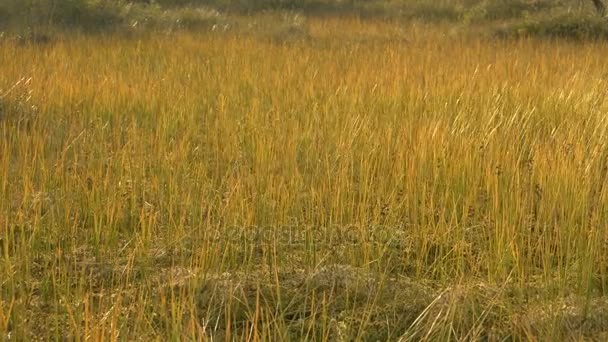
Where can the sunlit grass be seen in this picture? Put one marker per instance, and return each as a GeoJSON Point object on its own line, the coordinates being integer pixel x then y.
{"type": "Point", "coordinates": [365, 180]}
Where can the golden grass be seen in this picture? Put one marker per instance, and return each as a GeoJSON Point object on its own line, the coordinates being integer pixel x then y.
{"type": "Point", "coordinates": [367, 181]}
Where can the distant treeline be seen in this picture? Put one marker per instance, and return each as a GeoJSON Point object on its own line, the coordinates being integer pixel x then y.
{"type": "Point", "coordinates": [569, 18]}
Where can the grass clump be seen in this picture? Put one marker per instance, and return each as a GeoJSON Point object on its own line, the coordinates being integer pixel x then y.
{"type": "Point", "coordinates": [332, 302]}
{"type": "Point", "coordinates": [16, 106]}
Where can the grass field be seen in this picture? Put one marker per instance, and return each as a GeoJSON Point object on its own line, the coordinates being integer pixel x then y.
{"type": "Point", "coordinates": [334, 180]}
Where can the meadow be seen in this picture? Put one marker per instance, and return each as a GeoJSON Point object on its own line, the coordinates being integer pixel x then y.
{"type": "Point", "coordinates": [334, 179]}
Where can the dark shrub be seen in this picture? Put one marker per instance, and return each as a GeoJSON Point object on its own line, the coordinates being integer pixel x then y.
{"type": "Point", "coordinates": [568, 26]}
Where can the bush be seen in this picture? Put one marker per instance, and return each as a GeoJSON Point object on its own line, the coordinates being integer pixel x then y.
{"type": "Point", "coordinates": [29, 18]}
{"type": "Point", "coordinates": [154, 16]}
{"type": "Point", "coordinates": [432, 11]}
{"type": "Point", "coordinates": [79, 14]}
{"type": "Point", "coordinates": [248, 5]}
{"type": "Point", "coordinates": [506, 9]}
{"type": "Point", "coordinates": [568, 26]}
